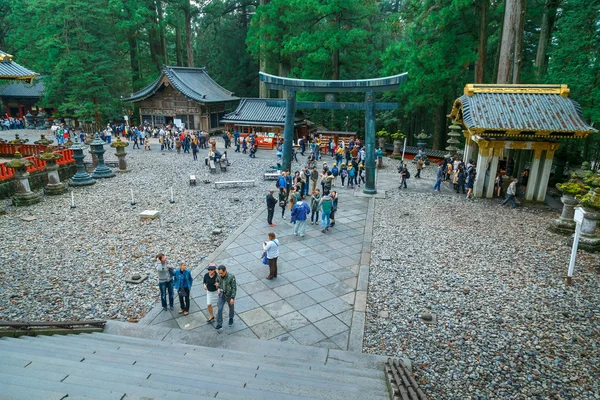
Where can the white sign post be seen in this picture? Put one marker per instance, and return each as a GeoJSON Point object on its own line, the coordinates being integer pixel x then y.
{"type": "Point", "coordinates": [579, 220]}
{"type": "Point", "coordinates": [403, 149]}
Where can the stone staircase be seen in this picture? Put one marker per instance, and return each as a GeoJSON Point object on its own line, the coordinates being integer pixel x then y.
{"type": "Point", "coordinates": [138, 362]}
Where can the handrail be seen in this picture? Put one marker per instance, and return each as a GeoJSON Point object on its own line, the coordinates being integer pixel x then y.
{"type": "Point", "coordinates": [404, 385]}
{"type": "Point", "coordinates": [27, 325]}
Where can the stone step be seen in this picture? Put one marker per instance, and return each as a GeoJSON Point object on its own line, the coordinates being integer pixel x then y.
{"type": "Point", "coordinates": [262, 382]}
{"type": "Point", "coordinates": [370, 378]}
{"type": "Point", "coordinates": [225, 362]}
{"type": "Point", "coordinates": [71, 389]}
{"type": "Point", "coordinates": [288, 352]}
{"type": "Point", "coordinates": [17, 392]}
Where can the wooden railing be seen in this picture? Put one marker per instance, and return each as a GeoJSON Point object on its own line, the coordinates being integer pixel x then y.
{"type": "Point", "coordinates": [404, 386]}
{"type": "Point", "coordinates": [38, 165]}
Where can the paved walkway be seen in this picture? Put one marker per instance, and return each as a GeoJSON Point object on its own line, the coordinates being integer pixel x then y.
{"type": "Point", "coordinates": [319, 297]}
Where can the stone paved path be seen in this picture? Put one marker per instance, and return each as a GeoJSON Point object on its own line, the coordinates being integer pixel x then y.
{"type": "Point", "coordinates": [319, 296]}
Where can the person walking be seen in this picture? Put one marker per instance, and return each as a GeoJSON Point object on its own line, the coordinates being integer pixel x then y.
{"type": "Point", "coordinates": [183, 285]}
{"type": "Point", "coordinates": [271, 203]}
{"type": "Point", "coordinates": [439, 176]}
{"type": "Point", "coordinates": [326, 204]}
{"type": "Point", "coordinates": [212, 297]}
{"type": "Point", "coordinates": [314, 177]}
{"type": "Point", "coordinates": [271, 250]}
{"type": "Point", "coordinates": [165, 280]}
{"type": "Point", "coordinates": [511, 192]}
{"type": "Point", "coordinates": [420, 165]}
{"type": "Point", "coordinates": [299, 214]}
{"type": "Point", "coordinates": [470, 182]}
{"type": "Point", "coordinates": [227, 289]}
{"type": "Point", "coordinates": [334, 206]}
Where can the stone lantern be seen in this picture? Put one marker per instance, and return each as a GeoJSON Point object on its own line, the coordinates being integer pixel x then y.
{"type": "Point", "coordinates": [29, 120]}
{"type": "Point", "coordinates": [89, 139]}
{"type": "Point", "coordinates": [82, 177]}
{"type": "Point", "coordinates": [119, 146]}
{"type": "Point", "coordinates": [54, 186]}
{"type": "Point", "coordinates": [101, 171]}
{"type": "Point", "coordinates": [24, 195]}
{"type": "Point", "coordinates": [453, 141]}
{"type": "Point", "coordinates": [591, 214]}
{"type": "Point", "coordinates": [43, 141]}
{"type": "Point", "coordinates": [41, 117]}
{"type": "Point", "coordinates": [422, 145]}
{"type": "Point", "coordinates": [18, 140]}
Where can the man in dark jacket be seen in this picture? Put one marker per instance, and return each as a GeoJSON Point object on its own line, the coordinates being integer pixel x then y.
{"type": "Point", "coordinates": [271, 203]}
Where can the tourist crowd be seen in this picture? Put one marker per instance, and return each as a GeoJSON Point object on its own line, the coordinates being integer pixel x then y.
{"type": "Point", "coordinates": [8, 123]}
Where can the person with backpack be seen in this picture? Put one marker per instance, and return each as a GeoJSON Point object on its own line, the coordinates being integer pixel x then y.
{"type": "Point", "coordinates": [420, 164]}
{"type": "Point", "coordinates": [282, 197]}
{"type": "Point", "coordinates": [404, 175]}
{"type": "Point", "coordinates": [281, 183]}
{"type": "Point", "coordinates": [335, 173]}
{"type": "Point", "coordinates": [343, 173]}
{"type": "Point", "coordinates": [351, 176]}
{"type": "Point", "coordinates": [361, 174]}
{"type": "Point", "coordinates": [299, 214]}
{"type": "Point", "coordinates": [326, 204]}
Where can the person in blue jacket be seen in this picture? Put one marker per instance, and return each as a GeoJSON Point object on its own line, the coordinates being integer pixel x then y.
{"type": "Point", "coordinates": [183, 284]}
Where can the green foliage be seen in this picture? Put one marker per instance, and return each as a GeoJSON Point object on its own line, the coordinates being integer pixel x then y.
{"type": "Point", "coordinates": [575, 55]}
{"type": "Point", "coordinates": [81, 54]}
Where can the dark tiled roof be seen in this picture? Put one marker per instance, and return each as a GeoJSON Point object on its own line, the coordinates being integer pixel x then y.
{"type": "Point", "coordinates": [23, 89]}
{"type": "Point", "coordinates": [522, 112]}
{"type": "Point", "coordinates": [256, 111]}
{"type": "Point", "coordinates": [11, 70]}
{"type": "Point", "coordinates": [194, 83]}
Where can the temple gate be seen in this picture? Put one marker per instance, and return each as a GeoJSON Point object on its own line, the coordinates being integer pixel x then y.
{"type": "Point", "coordinates": [368, 86]}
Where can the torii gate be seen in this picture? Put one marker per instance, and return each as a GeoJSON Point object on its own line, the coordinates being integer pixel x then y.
{"type": "Point", "coordinates": [368, 86]}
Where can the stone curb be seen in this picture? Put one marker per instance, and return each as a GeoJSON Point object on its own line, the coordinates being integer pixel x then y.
{"type": "Point", "coordinates": [357, 330]}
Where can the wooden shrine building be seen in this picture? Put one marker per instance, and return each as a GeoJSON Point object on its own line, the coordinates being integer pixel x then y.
{"type": "Point", "coordinates": [258, 116]}
{"type": "Point", "coordinates": [523, 122]}
{"type": "Point", "coordinates": [11, 71]}
{"type": "Point", "coordinates": [21, 97]}
{"type": "Point", "coordinates": [186, 94]}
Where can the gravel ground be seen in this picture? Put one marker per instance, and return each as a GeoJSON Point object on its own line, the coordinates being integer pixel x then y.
{"type": "Point", "coordinates": [71, 263]}
{"type": "Point", "coordinates": [508, 327]}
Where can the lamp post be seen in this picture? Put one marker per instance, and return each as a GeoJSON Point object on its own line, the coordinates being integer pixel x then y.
{"type": "Point", "coordinates": [29, 119]}
{"type": "Point", "coordinates": [101, 171]}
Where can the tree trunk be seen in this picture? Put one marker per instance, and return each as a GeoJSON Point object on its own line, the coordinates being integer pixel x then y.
{"type": "Point", "coordinates": [284, 70]}
{"type": "Point", "coordinates": [518, 58]}
{"type": "Point", "coordinates": [263, 92]}
{"type": "Point", "coordinates": [189, 41]}
{"type": "Point", "coordinates": [439, 129]}
{"type": "Point", "coordinates": [178, 47]}
{"type": "Point", "coordinates": [135, 63]}
{"type": "Point", "coordinates": [157, 52]}
{"type": "Point", "coordinates": [513, 14]}
{"type": "Point", "coordinates": [548, 18]}
{"type": "Point", "coordinates": [161, 32]}
{"type": "Point", "coordinates": [482, 49]}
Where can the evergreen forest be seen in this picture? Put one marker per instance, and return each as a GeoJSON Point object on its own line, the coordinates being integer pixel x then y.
{"type": "Point", "coordinates": [94, 52]}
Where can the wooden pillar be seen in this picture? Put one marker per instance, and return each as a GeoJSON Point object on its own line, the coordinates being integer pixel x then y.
{"type": "Point", "coordinates": [546, 169]}
{"type": "Point", "coordinates": [482, 160]}
{"type": "Point", "coordinates": [534, 176]}
{"type": "Point", "coordinates": [288, 131]}
{"type": "Point", "coordinates": [20, 111]}
{"type": "Point", "coordinates": [489, 192]}
{"type": "Point", "coordinates": [370, 142]}
{"type": "Point", "coordinates": [7, 108]}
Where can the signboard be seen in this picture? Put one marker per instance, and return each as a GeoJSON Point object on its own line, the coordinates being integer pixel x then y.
{"type": "Point", "coordinates": [177, 123]}
{"type": "Point", "coordinates": [578, 217]}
